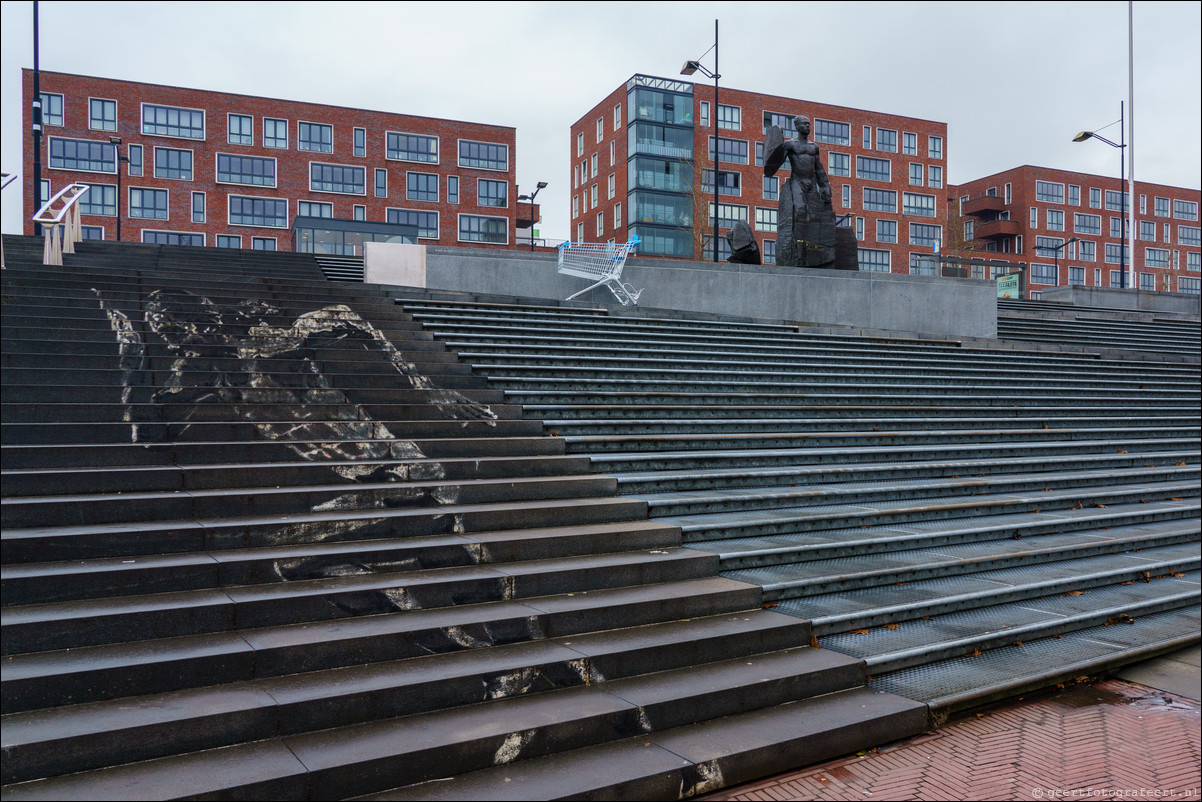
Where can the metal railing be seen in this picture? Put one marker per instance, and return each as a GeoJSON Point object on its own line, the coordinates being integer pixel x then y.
{"type": "Point", "coordinates": [59, 218]}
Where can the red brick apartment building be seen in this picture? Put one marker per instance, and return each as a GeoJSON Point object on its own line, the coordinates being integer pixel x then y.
{"type": "Point", "coordinates": [1069, 228]}
{"type": "Point", "coordinates": [635, 153]}
{"type": "Point", "coordinates": [212, 168]}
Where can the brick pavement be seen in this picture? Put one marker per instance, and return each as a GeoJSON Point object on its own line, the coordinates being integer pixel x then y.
{"type": "Point", "coordinates": [1111, 740]}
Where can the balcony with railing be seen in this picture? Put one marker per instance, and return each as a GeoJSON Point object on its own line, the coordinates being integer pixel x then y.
{"type": "Point", "coordinates": [984, 206]}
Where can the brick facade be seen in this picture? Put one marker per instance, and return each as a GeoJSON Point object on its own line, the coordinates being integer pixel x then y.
{"type": "Point", "coordinates": [888, 140]}
{"type": "Point", "coordinates": [292, 166]}
{"type": "Point", "coordinates": [1026, 213]}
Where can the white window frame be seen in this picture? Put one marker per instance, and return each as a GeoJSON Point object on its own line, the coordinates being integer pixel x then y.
{"type": "Point", "coordinates": [142, 122]}
{"type": "Point", "coordinates": [333, 145]}
{"type": "Point", "coordinates": [116, 112]}
{"type": "Point", "coordinates": [309, 178]}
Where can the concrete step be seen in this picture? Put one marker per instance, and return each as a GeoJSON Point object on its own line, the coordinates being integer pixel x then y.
{"type": "Point", "coordinates": [663, 481]}
{"type": "Point", "coordinates": [100, 577]}
{"type": "Point", "coordinates": [347, 591]}
{"type": "Point", "coordinates": [112, 671]}
{"type": "Point", "coordinates": [371, 757]}
{"type": "Point", "coordinates": [42, 544]}
{"type": "Point", "coordinates": [731, 500]}
{"type": "Point", "coordinates": [214, 408]}
{"type": "Point", "coordinates": [71, 456]}
{"type": "Point", "coordinates": [245, 474]}
{"type": "Point", "coordinates": [1098, 408]}
{"type": "Point", "coordinates": [44, 743]}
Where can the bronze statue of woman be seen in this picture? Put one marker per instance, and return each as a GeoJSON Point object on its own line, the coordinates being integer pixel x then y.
{"type": "Point", "coordinates": [805, 233]}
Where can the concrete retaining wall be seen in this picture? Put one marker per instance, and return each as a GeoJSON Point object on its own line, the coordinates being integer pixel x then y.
{"type": "Point", "coordinates": [915, 304]}
{"type": "Point", "coordinates": [1135, 300]}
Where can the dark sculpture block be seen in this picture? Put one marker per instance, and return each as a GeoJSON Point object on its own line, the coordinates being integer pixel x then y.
{"type": "Point", "coordinates": [743, 250]}
{"type": "Point", "coordinates": [806, 219]}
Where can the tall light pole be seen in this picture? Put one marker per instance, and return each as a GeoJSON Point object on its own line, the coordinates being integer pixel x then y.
{"type": "Point", "coordinates": [1056, 253]}
{"type": "Point", "coordinates": [115, 141]}
{"type": "Point", "coordinates": [541, 186]}
{"type": "Point", "coordinates": [1122, 147]}
{"type": "Point", "coordinates": [689, 68]}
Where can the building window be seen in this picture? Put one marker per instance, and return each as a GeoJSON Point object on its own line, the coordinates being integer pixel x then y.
{"type": "Point", "coordinates": [1116, 255]}
{"type": "Point", "coordinates": [617, 215]}
{"type": "Point", "coordinates": [452, 189]}
{"type": "Point", "coordinates": [1185, 210]}
{"type": "Point", "coordinates": [228, 241]}
{"type": "Point", "coordinates": [886, 140]}
{"type": "Point", "coordinates": [492, 193]}
{"type": "Point", "coordinates": [925, 235]}
{"type": "Point", "coordinates": [880, 200]}
{"type": "Point", "coordinates": [612, 186]}
{"type": "Point", "coordinates": [1168, 233]}
{"type": "Point", "coordinates": [198, 207]}
{"type": "Point", "coordinates": [600, 223]}
{"type": "Point", "coordinates": [426, 223]}
{"type": "Point", "coordinates": [314, 209]}
{"type": "Point", "coordinates": [381, 182]}
{"type": "Point", "coordinates": [874, 261]}
{"type": "Point", "coordinates": [52, 109]}
{"type": "Point", "coordinates": [1116, 227]}
{"type": "Point", "coordinates": [1190, 236]}
{"type": "Point", "coordinates": [421, 186]}
{"type": "Point", "coordinates": [593, 192]}
{"type": "Point", "coordinates": [832, 133]}
{"type": "Point", "coordinates": [703, 115]}
{"type": "Point", "coordinates": [411, 148]}
{"type": "Point", "coordinates": [1147, 230]}
{"type": "Point", "coordinates": [1116, 201]}
{"type": "Point", "coordinates": [315, 137]}
{"type": "Point", "coordinates": [1087, 224]}
{"type": "Point", "coordinates": [1088, 251]}
{"type": "Point", "coordinates": [275, 133]}
{"type": "Point", "coordinates": [1189, 285]}
{"type": "Point", "coordinates": [916, 173]}
{"type": "Point", "coordinates": [867, 138]}
{"type": "Point", "coordinates": [360, 142]}
{"type": "Point", "coordinates": [262, 243]}
{"type": "Point", "coordinates": [769, 252]}
{"type": "Point", "coordinates": [92, 232]}
{"type": "Point", "coordinates": [1095, 198]}
{"type": "Point", "coordinates": [1044, 274]}
{"type": "Point", "coordinates": [730, 117]}
{"type": "Point", "coordinates": [241, 129]}
{"type": "Point", "coordinates": [596, 172]}
{"type": "Point", "coordinates": [600, 129]}
{"type": "Point", "coordinates": [1161, 207]}
{"type": "Point", "coordinates": [729, 182]}
{"type": "Point", "coordinates": [1055, 219]}
{"type": "Point", "coordinates": [846, 192]}
{"type": "Point", "coordinates": [935, 177]}
{"type": "Point", "coordinates": [731, 151]}
{"type": "Point", "coordinates": [771, 188]}
{"type": "Point", "coordinates": [1076, 276]}
{"type": "Point", "coordinates": [173, 238]}
{"type": "Point", "coordinates": [1193, 261]}
{"type": "Point", "coordinates": [872, 169]}
{"type": "Point", "coordinates": [83, 155]}
{"type": "Point", "coordinates": [1049, 192]}
{"type": "Point", "coordinates": [918, 205]}
{"type": "Point", "coordinates": [1156, 257]}
{"type": "Point", "coordinates": [969, 230]}
{"type": "Point", "coordinates": [100, 199]}
{"type": "Point", "coordinates": [934, 147]}
{"type": "Point", "coordinates": [494, 230]}
{"type": "Point", "coordinates": [245, 170]}
{"type": "Point", "coordinates": [102, 114]}
{"type": "Point", "coordinates": [729, 214]}
{"type": "Point", "coordinates": [135, 160]}
{"type": "Point", "coordinates": [172, 163]}
{"type": "Point", "coordinates": [886, 231]}
{"type": "Point", "coordinates": [1147, 281]}
{"type": "Point", "coordinates": [265, 212]}
{"type": "Point", "coordinates": [765, 219]}
{"type": "Point", "coordinates": [340, 178]}
{"type": "Point", "coordinates": [1074, 195]}
{"type": "Point", "coordinates": [359, 211]}
{"type": "Point", "coordinates": [148, 204]}
{"type": "Point", "coordinates": [171, 121]}
{"type": "Point", "coordinates": [484, 155]}
{"type": "Point", "coordinates": [909, 144]}
{"type": "Point", "coordinates": [923, 264]}
{"type": "Point", "coordinates": [839, 164]}
{"type": "Point", "coordinates": [617, 116]}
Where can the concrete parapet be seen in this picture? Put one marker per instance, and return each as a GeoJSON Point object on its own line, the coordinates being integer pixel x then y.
{"type": "Point", "coordinates": [878, 301]}
{"type": "Point", "coordinates": [1113, 298]}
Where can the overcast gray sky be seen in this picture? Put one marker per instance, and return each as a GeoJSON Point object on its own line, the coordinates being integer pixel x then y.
{"type": "Point", "coordinates": [1013, 81]}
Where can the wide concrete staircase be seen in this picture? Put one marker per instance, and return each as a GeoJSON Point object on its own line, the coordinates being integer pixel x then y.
{"type": "Point", "coordinates": [264, 536]}
{"type": "Point", "coordinates": [973, 522]}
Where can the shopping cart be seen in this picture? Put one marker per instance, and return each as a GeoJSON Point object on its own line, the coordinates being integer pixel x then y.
{"type": "Point", "coordinates": [601, 263]}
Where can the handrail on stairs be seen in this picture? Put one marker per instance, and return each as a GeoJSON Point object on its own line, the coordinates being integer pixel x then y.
{"type": "Point", "coordinates": [59, 217]}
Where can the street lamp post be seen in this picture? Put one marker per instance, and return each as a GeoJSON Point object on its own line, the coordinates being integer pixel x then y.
{"type": "Point", "coordinates": [116, 143]}
{"type": "Point", "coordinates": [1124, 227]}
{"type": "Point", "coordinates": [541, 186]}
{"type": "Point", "coordinates": [689, 68]}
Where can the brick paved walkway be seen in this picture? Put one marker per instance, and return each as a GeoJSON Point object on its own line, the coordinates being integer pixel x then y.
{"type": "Point", "coordinates": [1111, 738]}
